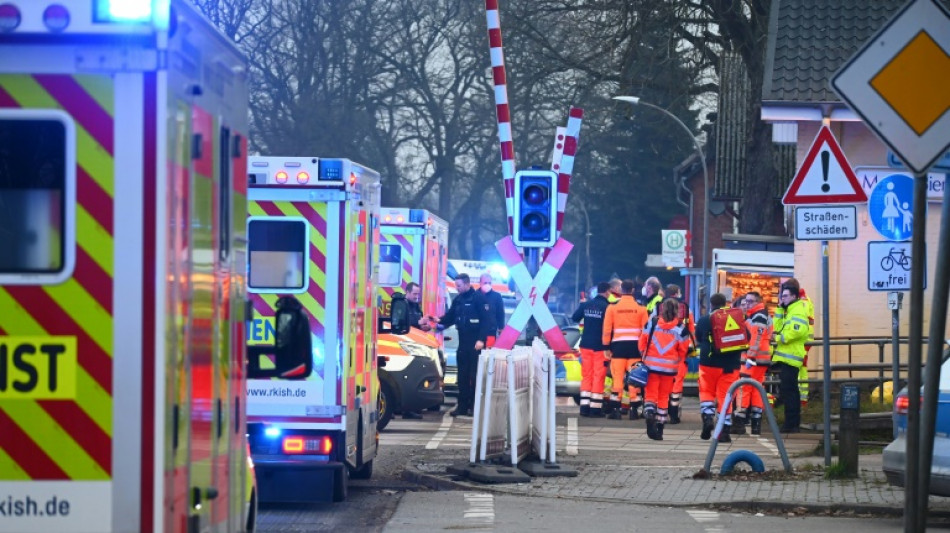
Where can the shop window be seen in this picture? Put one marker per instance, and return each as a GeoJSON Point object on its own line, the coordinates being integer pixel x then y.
{"type": "Point", "coordinates": [37, 196]}
{"type": "Point", "coordinates": [277, 254]}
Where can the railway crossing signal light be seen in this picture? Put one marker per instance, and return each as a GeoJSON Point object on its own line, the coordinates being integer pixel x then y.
{"type": "Point", "coordinates": [535, 206]}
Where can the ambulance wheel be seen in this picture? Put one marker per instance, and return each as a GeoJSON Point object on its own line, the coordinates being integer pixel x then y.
{"type": "Point", "coordinates": [742, 456]}
{"type": "Point", "coordinates": [340, 481]}
{"type": "Point", "coordinates": [251, 526]}
{"type": "Point", "coordinates": [363, 472]}
{"type": "Point", "coordinates": [386, 398]}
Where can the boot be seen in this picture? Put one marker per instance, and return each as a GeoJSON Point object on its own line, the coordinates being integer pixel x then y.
{"type": "Point", "coordinates": [708, 426]}
{"type": "Point", "coordinates": [738, 426]}
{"type": "Point", "coordinates": [651, 426]}
{"type": "Point", "coordinates": [756, 426]}
{"type": "Point", "coordinates": [615, 415]}
{"type": "Point", "coordinates": [624, 410]}
{"type": "Point", "coordinates": [659, 431]}
{"type": "Point", "coordinates": [635, 411]}
{"type": "Point", "coordinates": [585, 410]}
{"type": "Point", "coordinates": [674, 414]}
{"type": "Point", "coordinates": [724, 434]}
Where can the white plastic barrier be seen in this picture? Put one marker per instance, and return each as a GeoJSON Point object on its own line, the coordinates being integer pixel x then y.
{"type": "Point", "coordinates": [544, 429]}
{"type": "Point", "coordinates": [514, 404]}
{"type": "Point", "coordinates": [489, 425]}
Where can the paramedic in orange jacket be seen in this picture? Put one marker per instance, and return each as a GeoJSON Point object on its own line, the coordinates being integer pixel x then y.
{"type": "Point", "coordinates": [756, 361]}
{"type": "Point", "coordinates": [717, 372]}
{"type": "Point", "coordinates": [686, 315]}
{"type": "Point", "coordinates": [664, 344]}
{"type": "Point", "coordinates": [623, 323]}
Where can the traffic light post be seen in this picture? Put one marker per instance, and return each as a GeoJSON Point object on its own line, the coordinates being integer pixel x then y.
{"type": "Point", "coordinates": [534, 228]}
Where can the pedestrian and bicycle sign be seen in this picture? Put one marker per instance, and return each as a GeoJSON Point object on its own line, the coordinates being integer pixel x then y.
{"type": "Point", "coordinates": [889, 266]}
{"type": "Point", "coordinates": [825, 176]}
{"type": "Point", "coordinates": [890, 207]}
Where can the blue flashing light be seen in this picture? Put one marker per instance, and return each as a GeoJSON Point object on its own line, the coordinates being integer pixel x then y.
{"type": "Point", "coordinates": [272, 432]}
{"type": "Point", "coordinates": [125, 10]}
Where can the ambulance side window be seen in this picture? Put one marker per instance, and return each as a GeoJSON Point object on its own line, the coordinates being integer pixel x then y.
{"type": "Point", "coordinates": [37, 195]}
{"type": "Point", "coordinates": [277, 249]}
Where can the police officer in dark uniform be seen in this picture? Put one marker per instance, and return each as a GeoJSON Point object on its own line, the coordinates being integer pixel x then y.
{"type": "Point", "coordinates": [470, 319]}
{"type": "Point", "coordinates": [494, 308]}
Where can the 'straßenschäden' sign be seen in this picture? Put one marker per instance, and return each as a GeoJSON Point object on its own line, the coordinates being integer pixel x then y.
{"type": "Point", "coordinates": [826, 223]}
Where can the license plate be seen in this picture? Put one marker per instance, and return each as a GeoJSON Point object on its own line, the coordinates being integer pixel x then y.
{"type": "Point", "coordinates": [450, 379]}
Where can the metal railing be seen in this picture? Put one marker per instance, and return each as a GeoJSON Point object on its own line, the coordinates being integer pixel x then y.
{"type": "Point", "coordinates": [884, 366]}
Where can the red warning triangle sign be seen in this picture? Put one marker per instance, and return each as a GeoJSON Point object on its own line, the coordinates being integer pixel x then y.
{"type": "Point", "coordinates": [825, 176]}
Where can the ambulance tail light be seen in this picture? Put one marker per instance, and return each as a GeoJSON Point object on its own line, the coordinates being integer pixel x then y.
{"type": "Point", "coordinates": [281, 176]}
{"type": "Point", "coordinates": [10, 17]}
{"type": "Point", "coordinates": [303, 177]}
{"type": "Point", "coordinates": [307, 445]}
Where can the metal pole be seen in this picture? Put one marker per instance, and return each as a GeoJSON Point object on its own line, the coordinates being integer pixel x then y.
{"type": "Point", "coordinates": [532, 259]}
{"type": "Point", "coordinates": [826, 346]}
{"type": "Point", "coordinates": [702, 159]}
{"type": "Point", "coordinates": [912, 494]}
{"type": "Point", "coordinates": [938, 320]}
{"type": "Point", "coordinates": [895, 344]}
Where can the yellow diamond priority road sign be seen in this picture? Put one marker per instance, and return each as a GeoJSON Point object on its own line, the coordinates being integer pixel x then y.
{"type": "Point", "coordinates": [898, 82]}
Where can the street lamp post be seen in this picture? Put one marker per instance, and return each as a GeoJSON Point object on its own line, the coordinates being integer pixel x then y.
{"type": "Point", "coordinates": [637, 101]}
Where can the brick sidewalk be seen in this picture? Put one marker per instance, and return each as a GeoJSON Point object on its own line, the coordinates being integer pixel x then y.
{"type": "Point", "coordinates": [616, 462]}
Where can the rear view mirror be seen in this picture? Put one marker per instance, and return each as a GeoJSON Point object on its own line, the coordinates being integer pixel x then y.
{"type": "Point", "coordinates": [291, 355]}
{"type": "Point", "coordinates": [399, 316]}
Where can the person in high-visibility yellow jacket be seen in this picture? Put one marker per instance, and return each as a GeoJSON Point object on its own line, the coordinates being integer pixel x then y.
{"type": "Point", "coordinates": [803, 371]}
{"type": "Point", "coordinates": [653, 294]}
{"type": "Point", "coordinates": [791, 334]}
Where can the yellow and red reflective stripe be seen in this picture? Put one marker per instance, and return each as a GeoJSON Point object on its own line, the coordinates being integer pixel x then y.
{"type": "Point", "coordinates": [57, 439]}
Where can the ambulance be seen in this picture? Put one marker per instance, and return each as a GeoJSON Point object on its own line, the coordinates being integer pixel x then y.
{"type": "Point", "coordinates": [123, 128]}
{"type": "Point", "coordinates": [413, 247]}
{"type": "Point", "coordinates": [313, 234]}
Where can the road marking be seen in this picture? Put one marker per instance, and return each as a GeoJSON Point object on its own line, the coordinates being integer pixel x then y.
{"type": "Point", "coordinates": [707, 519]}
{"type": "Point", "coordinates": [441, 433]}
{"type": "Point", "coordinates": [481, 507]}
{"type": "Point", "coordinates": [572, 436]}
{"type": "Point", "coordinates": [769, 446]}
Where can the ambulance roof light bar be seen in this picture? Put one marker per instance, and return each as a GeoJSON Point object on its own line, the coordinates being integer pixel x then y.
{"type": "Point", "coordinates": [134, 11]}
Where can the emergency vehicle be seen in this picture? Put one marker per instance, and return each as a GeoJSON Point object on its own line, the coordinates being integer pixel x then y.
{"type": "Point", "coordinates": [413, 247]}
{"type": "Point", "coordinates": [313, 234]}
{"type": "Point", "coordinates": [122, 204]}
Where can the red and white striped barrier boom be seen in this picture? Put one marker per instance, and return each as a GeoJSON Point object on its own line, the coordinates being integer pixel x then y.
{"type": "Point", "coordinates": [565, 167]}
{"type": "Point", "coordinates": [502, 109]}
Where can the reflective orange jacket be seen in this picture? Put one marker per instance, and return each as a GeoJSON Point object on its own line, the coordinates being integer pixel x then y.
{"type": "Point", "coordinates": [668, 348]}
{"type": "Point", "coordinates": [624, 320]}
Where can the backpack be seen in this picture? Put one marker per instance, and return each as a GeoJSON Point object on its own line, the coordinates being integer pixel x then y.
{"type": "Point", "coordinates": [729, 332]}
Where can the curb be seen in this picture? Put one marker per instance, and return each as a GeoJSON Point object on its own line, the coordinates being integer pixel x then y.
{"type": "Point", "coordinates": [437, 482]}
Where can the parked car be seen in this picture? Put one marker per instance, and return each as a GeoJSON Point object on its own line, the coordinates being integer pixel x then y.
{"type": "Point", "coordinates": [568, 372]}
{"type": "Point", "coordinates": [895, 454]}
{"type": "Point", "coordinates": [411, 379]}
